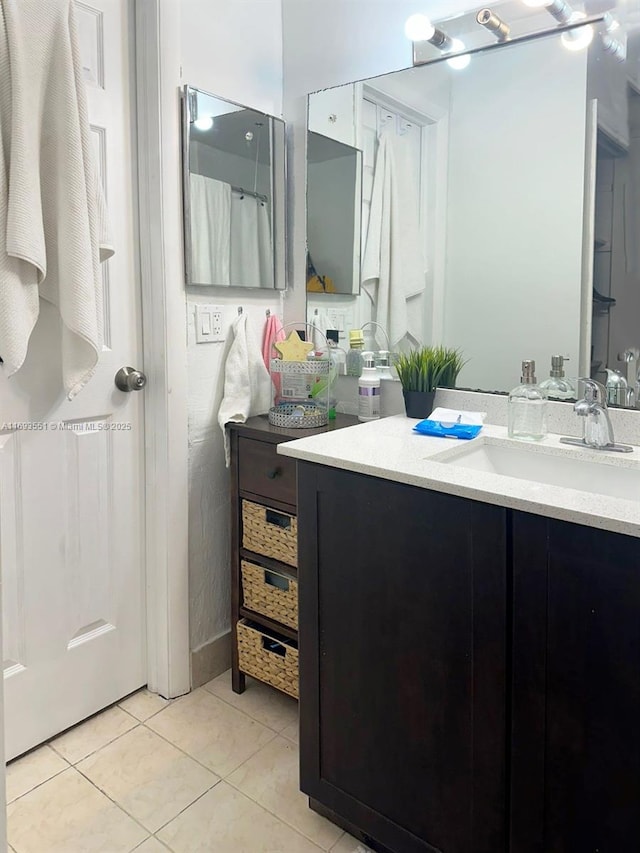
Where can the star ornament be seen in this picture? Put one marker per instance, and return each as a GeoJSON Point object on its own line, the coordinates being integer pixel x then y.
{"type": "Point", "coordinates": [294, 349]}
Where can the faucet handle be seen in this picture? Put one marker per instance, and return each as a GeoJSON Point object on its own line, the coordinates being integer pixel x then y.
{"type": "Point", "coordinates": [594, 391]}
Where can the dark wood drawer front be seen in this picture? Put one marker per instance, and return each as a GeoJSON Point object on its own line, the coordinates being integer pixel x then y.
{"type": "Point", "coordinates": [263, 472]}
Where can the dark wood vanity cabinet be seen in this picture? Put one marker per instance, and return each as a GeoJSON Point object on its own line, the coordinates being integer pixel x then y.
{"type": "Point", "coordinates": [469, 675]}
{"type": "Point", "coordinates": [402, 627]}
{"type": "Point", "coordinates": [575, 766]}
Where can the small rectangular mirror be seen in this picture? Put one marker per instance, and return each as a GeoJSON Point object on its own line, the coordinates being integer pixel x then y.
{"type": "Point", "coordinates": [334, 204]}
{"type": "Point", "coordinates": [234, 194]}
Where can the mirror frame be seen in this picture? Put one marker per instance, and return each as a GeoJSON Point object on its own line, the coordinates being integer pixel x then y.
{"type": "Point", "coordinates": [277, 142]}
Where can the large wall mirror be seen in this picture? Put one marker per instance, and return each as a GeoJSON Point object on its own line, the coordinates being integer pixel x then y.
{"type": "Point", "coordinates": [234, 194]}
{"type": "Point", "coordinates": [500, 208]}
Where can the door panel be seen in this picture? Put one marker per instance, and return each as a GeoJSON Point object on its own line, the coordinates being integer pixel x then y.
{"type": "Point", "coordinates": [576, 756]}
{"type": "Point", "coordinates": [402, 679]}
{"type": "Point", "coordinates": [71, 472]}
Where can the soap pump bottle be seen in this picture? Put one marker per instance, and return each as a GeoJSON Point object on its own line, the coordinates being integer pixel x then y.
{"type": "Point", "coordinates": [556, 386]}
{"type": "Point", "coordinates": [369, 390]}
{"type": "Point", "coordinates": [527, 406]}
{"type": "Point", "coordinates": [355, 355]}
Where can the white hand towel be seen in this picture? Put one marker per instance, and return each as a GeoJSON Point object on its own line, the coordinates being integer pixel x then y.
{"type": "Point", "coordinates": [247, 385]}
{"type": "Point", "coordinates": [210, 230]}
{"type": "Point", "coordinates": [53, 224]}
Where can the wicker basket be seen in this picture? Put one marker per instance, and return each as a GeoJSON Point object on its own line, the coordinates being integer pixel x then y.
{"type": "Point", "coordinates": [270, 532]}
{"type": "Point", "coordinates": [274, 661]}
{"type": "Point", "coordinates": [270, 593]}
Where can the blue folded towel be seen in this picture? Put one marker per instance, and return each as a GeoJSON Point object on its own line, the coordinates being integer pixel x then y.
{"type": "Point", "coordinates": [441, 430]}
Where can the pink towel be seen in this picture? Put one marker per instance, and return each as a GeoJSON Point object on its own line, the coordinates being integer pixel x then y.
{"type": "Point", "coordinates": [273, 332]}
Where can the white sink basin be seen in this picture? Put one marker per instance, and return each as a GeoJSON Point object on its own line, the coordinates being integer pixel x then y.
{"type": "Point", "coordinates": [549, 466]}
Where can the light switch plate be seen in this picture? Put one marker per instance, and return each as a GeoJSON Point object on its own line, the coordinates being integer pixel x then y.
{"type": "Point", "coordinates": [209, 324]}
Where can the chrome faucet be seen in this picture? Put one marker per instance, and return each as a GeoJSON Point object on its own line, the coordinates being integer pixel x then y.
{"type": "Point", "coordinates": [597, 429]}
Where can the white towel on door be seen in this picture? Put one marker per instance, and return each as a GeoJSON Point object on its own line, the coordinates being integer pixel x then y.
{"type": "Point", "coordinates": [247, 385]}
{"type": "Point", "coordinates": [393, 268]}
{"type": "Point", "coordinates": [53, 224]}
{"type": "Point", "coordinates": [210, 230]}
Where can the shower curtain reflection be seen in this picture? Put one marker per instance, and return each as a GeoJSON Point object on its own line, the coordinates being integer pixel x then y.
{"type": "Point", "coordinates": [230, 235]}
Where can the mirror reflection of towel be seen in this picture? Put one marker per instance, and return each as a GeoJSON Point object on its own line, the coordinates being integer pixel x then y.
{"type": "Point", "coordinates": [393, 268]}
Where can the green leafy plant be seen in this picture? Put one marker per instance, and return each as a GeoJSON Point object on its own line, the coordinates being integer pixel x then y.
{"type": "Point", "coordinates": [428, 368]}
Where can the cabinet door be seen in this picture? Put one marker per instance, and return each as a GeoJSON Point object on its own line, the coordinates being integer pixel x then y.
{"type": "Point", "coordinates": [402, 650]}
{"type": "Point", "coordinates": [576, 689]}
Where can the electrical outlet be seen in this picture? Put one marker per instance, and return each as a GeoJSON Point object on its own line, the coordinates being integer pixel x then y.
{"type": "Point", "coordinates": [216, 323]}
{"type": "Point", "coordinates": [209, 324]}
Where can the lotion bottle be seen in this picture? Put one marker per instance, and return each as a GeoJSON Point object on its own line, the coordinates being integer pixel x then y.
{"type": "Point", "coordinates": [527, 407]}
{"type": "Point", "coordinates": [369, 390]}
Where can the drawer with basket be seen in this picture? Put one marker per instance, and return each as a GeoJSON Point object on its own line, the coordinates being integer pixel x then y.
{"type": "Point", "coordinates": [264, 554]}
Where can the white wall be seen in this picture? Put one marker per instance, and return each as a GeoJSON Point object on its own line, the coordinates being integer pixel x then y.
{"type": "Point", "coordinates": [233, 49]}
{"type": "Point", "coordinates": [515, 211]}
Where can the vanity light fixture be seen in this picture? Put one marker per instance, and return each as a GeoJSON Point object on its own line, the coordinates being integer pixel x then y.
{"type": "Point", "coordinates": [617, 47]}
{"type": "Point", "coordinates": [614, 47]}
{"type": "Point", "coordinates": [580, 37]}
{"type": "Point", "coordinates": [560, 10]}
{"type": "Point", "coordinates": [419, 28]}
{"type": "Point", "coordinates": [576, 39]}
{"type": "Point", "coordinates": [458, 62]}
{"type": "Point", "coordinates": [492, 22]}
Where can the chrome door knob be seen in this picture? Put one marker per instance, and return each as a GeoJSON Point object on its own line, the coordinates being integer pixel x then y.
{"type": "Point", "coordinates": [129, 379]}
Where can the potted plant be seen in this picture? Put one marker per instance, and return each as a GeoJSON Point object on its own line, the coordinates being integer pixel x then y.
{"type": "Point", "coordinates": [423, 370]}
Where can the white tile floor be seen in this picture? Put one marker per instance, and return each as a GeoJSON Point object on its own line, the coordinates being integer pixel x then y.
{"type": "Point", "coordinates": [211, 771]}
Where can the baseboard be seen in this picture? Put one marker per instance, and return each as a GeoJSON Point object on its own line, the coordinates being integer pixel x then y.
{"type": "Point", "coordinates": [210, 660]}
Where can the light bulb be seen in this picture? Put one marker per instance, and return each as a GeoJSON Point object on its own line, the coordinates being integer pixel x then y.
{"type": "Point", "coordinates": [204, 123]}
{"type": "Point", "coordinates": [458, 62]}
{"type": "Point", "coordinates": [580, 37]}
{"type": "Point", "coordinates": [419, 28]}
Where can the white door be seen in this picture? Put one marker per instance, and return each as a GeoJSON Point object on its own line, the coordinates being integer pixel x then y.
{"type": "Point", "coordinates": [71, 498]}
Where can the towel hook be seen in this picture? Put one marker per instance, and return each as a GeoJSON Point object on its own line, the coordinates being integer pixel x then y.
{"type": "Point", "coordinates": [239, 309]}
{"type": "Point", "coordinates": [268, 312]}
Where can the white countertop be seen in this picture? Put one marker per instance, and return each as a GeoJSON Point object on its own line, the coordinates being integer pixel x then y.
{"type": "Point", "coordinates": [389, 449]}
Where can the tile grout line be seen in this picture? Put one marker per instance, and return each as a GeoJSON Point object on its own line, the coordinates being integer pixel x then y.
{"type": "Point", "coordinates": [260, 806]}
{"type": "Point", "coordinates": [219, 777]}
{"type": "Point", "coordinates": [282, 819]}
{"type": "Point", "coordinates": [239, 710]}
{"type": "Point", "coordinates": [206, 767]}
{"type": "Point", "coordinates": [122, 808]}
{"type": "Point", "coordinates": [235, 708]}
{"type": "Point", "coordinates": [78, 725]}
{"type": "Point", "coordinates": [40, 784]}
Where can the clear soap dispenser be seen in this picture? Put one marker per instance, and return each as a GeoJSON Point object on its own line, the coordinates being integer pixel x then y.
{"type": "Point", "coordinates": [527, 406]}
{"type": "Point", "coordinates": [557, 387]}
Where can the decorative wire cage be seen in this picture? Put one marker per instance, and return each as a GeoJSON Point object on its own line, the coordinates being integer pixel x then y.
{"type": "Point", "coordinates": [301, 388]}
